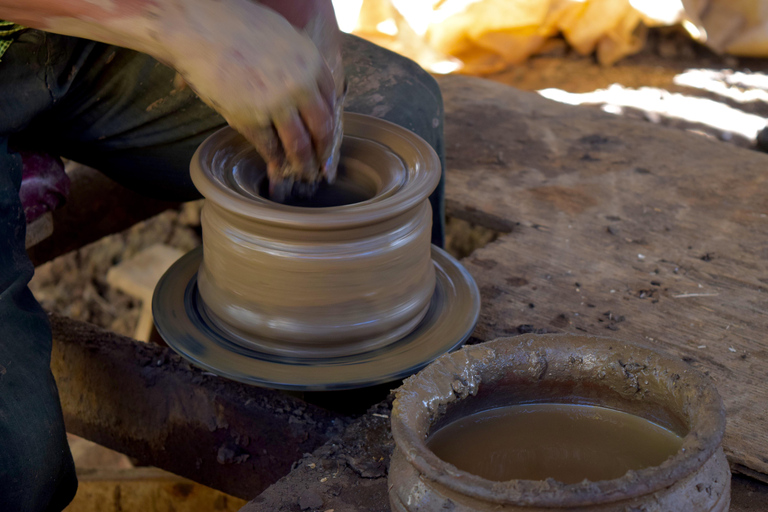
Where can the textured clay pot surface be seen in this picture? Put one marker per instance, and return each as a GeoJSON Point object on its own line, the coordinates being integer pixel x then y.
{"type": "Point", "coordinates": [561, 368]}
{"type": "Point", "coordinates": [344, 278]}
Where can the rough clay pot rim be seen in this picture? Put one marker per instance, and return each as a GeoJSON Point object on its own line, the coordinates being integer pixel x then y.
{"type": "Point", "coordinates": [419, 160]}
{"type": "Point", "coordinates": [706, 432]}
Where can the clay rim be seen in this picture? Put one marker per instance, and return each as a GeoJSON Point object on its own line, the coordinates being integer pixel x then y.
{"type": "Point", "coordinates": [421, 393]}
{"type": "Point", "coordinates": [422, 175]}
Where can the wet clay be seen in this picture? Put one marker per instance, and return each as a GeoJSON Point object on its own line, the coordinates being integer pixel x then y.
{"type": "Point", "coordinates": [342, 273]}
{"type": "Point", "coordinates": [566, 442]}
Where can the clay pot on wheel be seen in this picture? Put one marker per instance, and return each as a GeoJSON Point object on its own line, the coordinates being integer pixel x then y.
{"type": "Point", "coordinates": [343, 273]}
{"type": "Point", "coordinates": [561, 369]}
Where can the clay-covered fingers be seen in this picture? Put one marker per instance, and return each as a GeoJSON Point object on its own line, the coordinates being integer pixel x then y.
{"type": "Point", "coordinates": [297, 145]}
{"type": "Point", "coordinates": [320, 115]}
{"type": "Point", "coordinates": [326, 86]}
{"type": "Point", "coordinates": [319, 121]}
{"type": "Point", "coordinates": [307, 130]}
{"type": "Point", "coordinates": [267, 142]}
{"type": "Point", "coordinates": [299, 140]}
{"type": "Point", "coordinates": [330, 164]}
{"type": "Point", "coordinates": [297, 136]}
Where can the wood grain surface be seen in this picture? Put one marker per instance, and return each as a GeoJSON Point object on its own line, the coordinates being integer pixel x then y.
{"type": "Point", "coordinates": [618, 228]}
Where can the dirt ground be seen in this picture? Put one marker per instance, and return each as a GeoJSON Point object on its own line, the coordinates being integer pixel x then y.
{"type": "Point", "coordinates": [75, 284]}
{"type": "Point", "coordinates": [673, 82]}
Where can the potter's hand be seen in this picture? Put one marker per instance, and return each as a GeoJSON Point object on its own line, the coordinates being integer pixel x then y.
{"type": "Point", "coordinates": [318, 20]}
{"type": "Point", "coordinates": [269, 81]}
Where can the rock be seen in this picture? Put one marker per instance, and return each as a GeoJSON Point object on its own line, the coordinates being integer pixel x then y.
{"type": "Point", "coordinates": [310, 500]}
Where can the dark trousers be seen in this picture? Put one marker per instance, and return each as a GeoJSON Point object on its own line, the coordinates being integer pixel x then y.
{"type": "Point", "coordinates": [122, 113]}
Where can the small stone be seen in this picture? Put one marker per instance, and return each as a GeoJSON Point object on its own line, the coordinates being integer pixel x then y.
{"type": "Point", "coordinates": [310, 500]}
{"type": "Point", "coordinates": [762, 140]}
{"type": "Point", "coordinates": [225, 455]}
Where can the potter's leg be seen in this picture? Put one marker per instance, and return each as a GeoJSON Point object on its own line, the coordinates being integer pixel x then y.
{"type": "Point", "coordinates": [36, 469]}
{"type": "Point", "coordinates": [386, 85]}
{"type": "Point", "coordinates": [128, 116]}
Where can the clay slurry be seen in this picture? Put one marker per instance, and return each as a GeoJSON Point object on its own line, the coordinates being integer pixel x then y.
{"type": "Point", "coordinates": [344, 191]}
{"type": "Point", "coordinates": [566, 442]}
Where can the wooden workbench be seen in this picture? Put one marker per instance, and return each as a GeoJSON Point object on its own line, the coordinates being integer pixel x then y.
{"type": "Point", "coordinates": [608, 226]}
{"type": "Point", "coordinates": [619, 228]}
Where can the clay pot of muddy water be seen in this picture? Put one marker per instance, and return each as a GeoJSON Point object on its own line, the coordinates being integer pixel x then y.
{"type": "Point", "coordinates": [597, 378]}
{"type": "Point", "coordinates": [345, 272]}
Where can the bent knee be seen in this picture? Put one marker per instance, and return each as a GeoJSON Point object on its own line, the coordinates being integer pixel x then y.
{"type": "Point", "coordinates": [387, 85]}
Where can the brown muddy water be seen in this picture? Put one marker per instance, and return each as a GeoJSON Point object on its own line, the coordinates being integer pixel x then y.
{"type": "Point", "coordinates": [566, 442]}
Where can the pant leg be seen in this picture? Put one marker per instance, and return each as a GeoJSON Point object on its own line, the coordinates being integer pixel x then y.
{"type": "Point", "coordinates": [386, 85]}
{"type": "Point", "coordinates": [127, 115]}
{"type": "Point", "coordinates": [36, 469]}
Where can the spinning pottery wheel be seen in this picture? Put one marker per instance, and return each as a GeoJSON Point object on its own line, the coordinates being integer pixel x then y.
{"type": "Point", "coordinates": [339, 291]}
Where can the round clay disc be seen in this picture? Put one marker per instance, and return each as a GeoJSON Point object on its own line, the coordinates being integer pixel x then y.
{"type": "Point", "coordinates": [183, 323]}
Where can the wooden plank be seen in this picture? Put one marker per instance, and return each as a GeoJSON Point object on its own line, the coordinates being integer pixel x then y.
{"type": "Point", "coordinates": [620, 228]}
{"type": "Point", "coordinates": [147, 402]}
{"type": "Point", "coordinates": [39, 229]}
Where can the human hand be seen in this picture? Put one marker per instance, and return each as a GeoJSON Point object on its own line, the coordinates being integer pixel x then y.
{"type": "Point", "coordinates": [268, 80]}
{"type": "Point", "coordinates": [320, 25]}
{"type": "Point", "coordinates": [277, 85]}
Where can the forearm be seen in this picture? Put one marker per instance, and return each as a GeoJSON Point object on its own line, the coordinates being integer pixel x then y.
{"type": "Point", "coordinates": [129, 23]}
{"type": "Point", "coordinates": [160, 28]}
{"type": "Point", "coordinates": [192, 36]}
